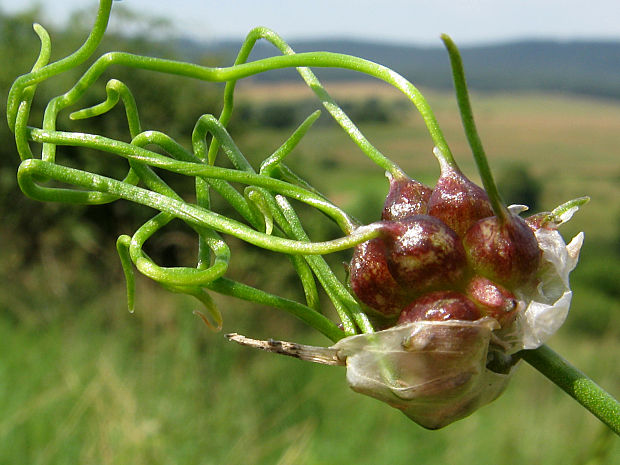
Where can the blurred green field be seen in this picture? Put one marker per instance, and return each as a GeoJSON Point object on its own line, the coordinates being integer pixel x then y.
{"type": "Point", "coordinates": [84, 381]}
{"type": "Point", "coordinates": [145, 392]}
{"type": "Point", "coordinates": [569, 143]}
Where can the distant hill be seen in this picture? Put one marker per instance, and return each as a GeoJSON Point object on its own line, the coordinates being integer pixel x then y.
{"type": "Point", "coordinates": [590, 68]}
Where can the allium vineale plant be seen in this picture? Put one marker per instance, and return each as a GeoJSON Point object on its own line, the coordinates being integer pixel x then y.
{"type": "Point", "coordinates": [444, 296]}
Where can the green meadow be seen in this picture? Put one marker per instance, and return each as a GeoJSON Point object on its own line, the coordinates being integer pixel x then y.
{"type": "Point", "coordinates": [84, 381]}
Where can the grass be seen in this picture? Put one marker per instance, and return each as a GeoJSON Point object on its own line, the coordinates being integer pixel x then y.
{"type": "Point", "coordinates": [168, 391]}
{"type": "Point", "coordinates": [83, 381]}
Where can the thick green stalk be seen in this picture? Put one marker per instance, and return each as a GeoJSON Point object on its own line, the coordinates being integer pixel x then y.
{"type": "Point", "coordinates": [576, 384]}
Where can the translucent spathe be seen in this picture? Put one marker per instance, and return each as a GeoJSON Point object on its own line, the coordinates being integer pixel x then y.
{"type": "Point", "coordinates": [433, 371]}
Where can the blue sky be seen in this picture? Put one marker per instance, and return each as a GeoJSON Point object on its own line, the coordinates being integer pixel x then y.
{"type": "Point", "coordinates": [408, 21]}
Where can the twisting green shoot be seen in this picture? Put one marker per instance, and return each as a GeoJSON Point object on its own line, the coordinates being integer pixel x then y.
{"type": "Point", "coordinates": [271, 224]}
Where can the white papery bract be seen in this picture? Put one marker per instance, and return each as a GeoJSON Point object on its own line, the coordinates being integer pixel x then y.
{"type": "Point", "coordinates": [548, 303]}
{"type": "Point", "coordinates": [545, 302]}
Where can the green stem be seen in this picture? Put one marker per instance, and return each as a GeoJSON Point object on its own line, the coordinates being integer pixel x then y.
{"type": "Point", "coordinates": [31, 169]}
{"type": "Point", "coordinates": [71, 61]}
{"type": "Point", "coordinates": [264, 33]}
{"type": "Point", "coordinates": [135, 153]}
{"type": "Point", "coordinates": [306, 274]}
{"type": "Point", "coordinates": [576, 384]}
{"type": "Point", "coordinates": [176, 275]}
{"type": "Point", "coordinates": [239, 290]}
{"type": "Point", "coordinates": [328, 102]}
{"type": "Point", "coordinates": [467, 116]}
{"type": "Point", "coordinates": [272, 162]}
{"type": "Point", "coordinates": [346, 306]}
{"type": "Point", "coordinates": [115, 91]}
{"type": "Point", "coordinates": [176, 151]}
{"type": "Point", "coordinates": [316, 59]}
{"type": "Point", "coordinates": [23, 112]}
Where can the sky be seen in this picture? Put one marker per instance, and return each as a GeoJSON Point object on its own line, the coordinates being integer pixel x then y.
{"type": "Point", "coordinates": [398, 21]}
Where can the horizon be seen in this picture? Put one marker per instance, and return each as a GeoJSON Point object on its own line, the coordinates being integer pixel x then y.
{"type": "Point", "coordinates": [439, 45]}
{"type": "Point", "coordinates": [395, 22]}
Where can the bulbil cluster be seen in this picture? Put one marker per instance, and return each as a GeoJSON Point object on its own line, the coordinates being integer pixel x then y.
{"type": "Point", "coordinates": [444, 254]}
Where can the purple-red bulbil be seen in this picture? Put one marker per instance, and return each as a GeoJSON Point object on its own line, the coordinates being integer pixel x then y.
{"type": "Point", "coordinates": [423, 253]}
{"type": "Point", "coordinates": [494, 300]}
{"type": "Point", "coordinates": [443, 255]}
{"type": "Point", "coordinates": [504, 251]}
{"type": "Point", "coordinates": [457, 201]}
{"type": "Point", "coordinates": [406, 197]}
{"type": "Point", "coordinates": [440, 306]}
{"type": "Point", "coordinates": [371, 280]}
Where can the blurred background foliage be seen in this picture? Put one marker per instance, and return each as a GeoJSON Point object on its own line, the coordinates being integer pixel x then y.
{"type": "Point", "coordinates": [83, 381]}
